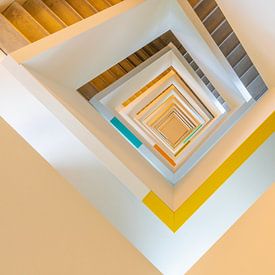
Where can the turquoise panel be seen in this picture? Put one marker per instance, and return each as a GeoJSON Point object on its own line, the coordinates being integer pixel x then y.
{"type": "Point", "coordinates": [126, 132]}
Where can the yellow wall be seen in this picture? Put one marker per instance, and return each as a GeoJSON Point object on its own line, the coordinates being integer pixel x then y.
{"type": "Point", "coordinates": [46, 227]}
{"type": "Point", "coordinates": [248, 248]}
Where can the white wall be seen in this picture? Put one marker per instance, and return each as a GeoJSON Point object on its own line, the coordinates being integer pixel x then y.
{"type": "Point", "coordinates": [248, 247]}
{"type": "Point", "coordinates": [47, 227]}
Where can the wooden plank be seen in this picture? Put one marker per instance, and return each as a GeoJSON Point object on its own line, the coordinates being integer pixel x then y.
{"type": "Point", "coordinates": [88, 91]}
{"type": "Point", "coordinates": [236, 55]}
{"type": "Point", "coordinates": [249, 76]}
{"type": "Point", "coordinates": [99, 5]}
{"type": "Point", "coordinates": [24, 22]}
{"type": "Point", "coordinates": [83, 7]}
{"type": "Point", "coordinates": [99, 83]}
{"type": "Point", "coordinates": [113, 2]}
{"type": "Point", "coordinates": [135, 59]}
{"type": "Point", "coordinates": [257, 87]}
{"type": "Point", "coordinates": [10, 38]}
{"type": "Point", "coordinates": [193, 2]}
{"type": "Point", "coordinates": [229, 44]}
{"type": "Point", "coordinates": [43, 15]}
{"type": "Point", "coordinates": [204, 8]}
{"type": "Point", "coordinates": [126, 65]}
{"type": "Point", "coordinates": [64, 11]}
{"type": "Point", "coordinates": [222, 33]}
{"type": "Point", "coordinates": [243, 65]}
{"type": "Point", "coordinates": [118, 71]}
{"type": "Point", "coordinates": [214, 20]}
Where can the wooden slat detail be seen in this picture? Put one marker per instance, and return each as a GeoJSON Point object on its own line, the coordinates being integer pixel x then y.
{"type": "Point", "coordinates": [99, 83]}
{"type": "Point", "coordinates": [229, 44]}
{"type": "Point", "coordinates": [127, 65]}
{"type": "Point", "coordinates": [222, 33]}
{"type": "Point", "coordinates": [193, 2]}
{"type": "Point", "coordinates": [88, 90]}
{"type": "Point", "coordinates": [214, 20]}
{"type": "Point", "coordinates": [132, 61]}
{"type": "Point", "coordinates": [194, 65]}
{"type": "Point", "coordinates": [236, 55]}
{"type": "Point", "coordinates": [200, 73]}
{"type": "Point", "coordinates": [118, 71]}
{"type": "Point", "coordinates": [243, 65]}
{"type": "Point", "coordinates": [249, 76]}
{"type": "Point", "coordinates": [257, 88]}
{"type": "Point", "coordinates": [44, 15]}
{"type": "Point", "coordinates": [10, 38]}
{"type": "Point", "coordinates": [135, 59]}
{"type": "Point", "coordinates": [204, 8]}
{"type": "Point", "coordinates": [64, 11]}
{"type": "Point", "coordinates": [109, 77]}
{"type": "Point", "coordinates": [99, 5]}
{"type": "Point", "coordinates": [114, 2]}
{"type": "Point", "coordinates": [142, 54]}
{"type": "Point", "coordinates": [83, 7]}
{"type": "Point", "coordinates": [150, 50]}
{"type": "Point", "coordinates": [24, 22]}
{"type": "Point", "coordinates": [188, 58]}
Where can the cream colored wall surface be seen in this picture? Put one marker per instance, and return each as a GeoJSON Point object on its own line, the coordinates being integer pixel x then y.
{"type": "Point", "coordinates": [248, 248]}
{"type": "Point", "coordinates": [47, 227]}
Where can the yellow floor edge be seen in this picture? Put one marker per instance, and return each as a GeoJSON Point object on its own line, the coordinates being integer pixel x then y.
{"type": "Point", "coordinates": [175, 219]}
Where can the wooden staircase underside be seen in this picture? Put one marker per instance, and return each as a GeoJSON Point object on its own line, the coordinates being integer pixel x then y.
{"type": "Point", "coordinates": [26, 21]}
{"type": "Point", "coordinates": [218, 27]}
{"type": "Point", "coordinates": [126, 65]}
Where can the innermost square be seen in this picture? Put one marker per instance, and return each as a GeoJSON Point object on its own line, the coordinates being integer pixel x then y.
{"type": "Point", "coordinates": [173, 129]}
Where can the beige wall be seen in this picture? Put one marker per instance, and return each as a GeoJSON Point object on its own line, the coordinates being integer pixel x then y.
{"type": "Point", "coordinates": [248, 248]}
{"type": "Point", "coordinates": [46, 227]}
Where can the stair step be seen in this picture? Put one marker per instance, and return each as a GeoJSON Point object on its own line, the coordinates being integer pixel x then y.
{"type": "Point", "coordinates": [109, 77]}
{"type": "Point", "coordinates": [157, 43]}
{"type": "Point", "coordinates": [204, 8]}
{"type": "Point", "coordinates": [99, 5]}
{"type": "Point", "coordinates": [236, 55]}
{"type": "Point", "coordinates": [10, 38]}
{"type": "Point", "coordinates": [200, 73]}
{"type": "Point", "coordinates": [126, 65]}
{"type": "Point", "coordinates": [205, 80]}
{"type": "Point", "coordinates": [193, 3]}
{"type": "Point", "coordinates": [220, 99]}
{"type": "Point", "coordinates": [83, 7]}
{"type": "Point", "coordinates": [194, 65]}
{"type": "Point", "coordinates": [114, 2]}
{"type": "Point", "coordinates": [229, 44]}
{"type": "Point", "coordinates": [249, 76]}
{"type": "Point", "coordinates": [99, 83]}
{"type": "Point", "coordinates": [64, 11]}
{"type": "Point", "coordinates": [24, 22]}
{"type": "Point", "coordinates": [215, 93]}
{"type": "Point", "coordinates": [243, 65]}
{"type": "Point", "coordinates": [222, 33]}
{"type": "Point", "coordinates": [88, 91]}
{"type": "Point", "coordinates": [214, 20]}
{"type": "Point", "coordinates": [210, 87]}
{"type": "Point", "coordinates": [135, 59]}
{"type": "Point", "coordinates": [188, 57]}
{"type": "Point", "coordinates": [118, 71]}
{"type": "Point", "coordinates": [142, 55]}
{"type": "Point", "coordinates": [150, 49]}
{"type": "Point", "coordinates": [43, 15]}
{"type": "Point", "coordinates": [257, 87]}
